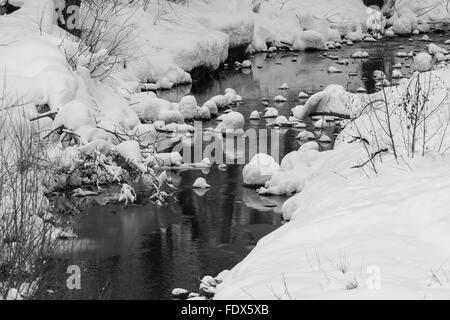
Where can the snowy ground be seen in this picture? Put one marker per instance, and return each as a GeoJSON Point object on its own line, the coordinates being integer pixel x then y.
{"type": "Point", "coordinates": [345, 231]}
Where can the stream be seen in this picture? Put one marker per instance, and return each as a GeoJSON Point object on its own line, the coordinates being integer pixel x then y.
{"type": "Point", "coordinates": [144, 251]}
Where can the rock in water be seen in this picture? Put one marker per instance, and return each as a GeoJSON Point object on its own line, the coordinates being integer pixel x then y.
{"type": "Point", "coordinates": [201, 183]}
{"type": "Point", "coordinates": [181, 294]}
{"type": "Point", "coordinates": [279, 99]}
{"type": "Point", "coordinates": [271, 113]}
{"type": "Point", "coordinates": [255, 115]}
{"type": "Point", "coordinates": [260, 170]}
{"type": "Point", "coordinates": [306, 135]}
{"type": "Point", "coordinates": [303, 95]}
{"type": "Point", "coordinates": [246, 64]}
{"type": "Point", "coordinates": [333, 69]}
{"type": "Point", "coordinates": [284, 86]}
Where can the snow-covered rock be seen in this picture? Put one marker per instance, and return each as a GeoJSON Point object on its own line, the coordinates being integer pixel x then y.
{"type": "Point", "coordinates": [306, 135]}
{"type": "Point", "coordinates": [325, 139]}
{"type": "Point", "coordinates": [232, 121]}
{"type": "Point", "coordinates": [201, 183]}
{"type": "Point", "coordinates": [423, 62]}
{"type": "Point", "coordinates": [188, 107]}
{"type": "Point", "coordinates": [246, 64]}
{"type": "Point", "coordinates": [360, 55]}
{"type": "Point", "coordinates": [284, 86]}
{"type": "Point", "coordinates": [255, 115]}
{"type": "Point", "coordinates": [260, 170]}
{"type": "Point", "coordinates": [281, 121]}
{"type": "Point", "coordinates": [203, 113]}
{"type": "Point", "coordinates": [303, 95]}
{"type": "Point", "coordinates": [333, 99]}
{"type": "Point", "coordinates": [271, 113]}
{"type": "Point", "coordinates": [220, 101]}
{"type": "Point", "coordinates": [212, 106]}
{"type": "Point", "coordinates": [333, 69]}
{"type": "Point", "coordinates": [150, 109]}
{"type": "Point", "coordinates": [280, 99]}
{"type": "Point", "coordinates": [309, 40]}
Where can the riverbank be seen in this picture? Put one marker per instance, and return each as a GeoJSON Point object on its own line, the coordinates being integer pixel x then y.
{"type": "Point", "coordinates": [363, 227]}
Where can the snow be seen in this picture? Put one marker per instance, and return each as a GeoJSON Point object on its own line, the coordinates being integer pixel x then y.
{"type": "Point", "coordinates": [309, 40]}
{"type": "Point", "coordinates": [130, 151]}
{"type": "Point", "coordinates": [255, 115]}
{"type": "Point", "coordinates": [127, 194]}
{"type": "Point", "coordinates": [161, 52]}
{"type": "Point", "coordinates": [279, 98]}
{"type": "Point", "coordinates": [284, 86]}
{"type": "Point", "coordinates": [188, 107]}
{"type": "Point", "coordinates": [46, 71]}
{"type": "Point", "coordinates": [303, 95]}
{"type": "Point", "coordinates": [360, 55]}
{"type": "Point", "coordinates": [281, 121]}
{"type": "Point", "coordinates": [333, 69]}
{"type": "Point", "coordinates": [306, 135]}
{"type": "Point", "coordinates": [150, 108]}
{"type": "Point", "coordinates": [271, 113]}
{"type": "Point", "coordinates": [423, 62]}
{"type": "Point", "coordinates": [304, 23]}
{"type": "Point", "coordinates": [331, 100]}
{"type": "Point", "coordinates": [246, 64]}
{"type": "Point", "coordinates": [323, 124]}
{"type": "Point", "coordinates": [170, 41]}
{"type": "Point", "coordinates": [402, 26]}
{"type": "Point", "coordinates": [325, 139]}
{"type": "Point", "coordinates": [434, 49]}
{"type": "Point", "coordinates": [212, 107]}
{"type": "Point", "coordinates": [259, 170]}
{"type": "Point", "coordinates": [203, 113]}
{"type": "Point", "coordinates": [201, 183]}
{"type": "Point", "coordinates": [73, 116]}
{"type": "Point", "coordinates": [364, 228]}
{"type": "Point", "coordinates": [220, 101]}
{"type": "Point", "coordinates": [311, 145]}
{"type": "Point", "coordinates": [397, 74]}
{"type": "Point", "coordinates": [233, 121]}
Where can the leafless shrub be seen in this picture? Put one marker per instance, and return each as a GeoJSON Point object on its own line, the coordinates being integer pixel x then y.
{"type": "Point", "coordinates": [26, 239]}
{"type": "Point", "coordinates": [107, 35]}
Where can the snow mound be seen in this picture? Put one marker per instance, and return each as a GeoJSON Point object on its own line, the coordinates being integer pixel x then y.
{"type": "Point", "coordinates": [423, 62]}
{"type": "Point", "coordinates": [309, 40]}
{"type": "Point", "coordinates": [260, 170]}
{"type": "Point", "coordinates": [331, 100]}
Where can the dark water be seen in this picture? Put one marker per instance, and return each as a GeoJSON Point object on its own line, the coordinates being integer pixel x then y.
{"type": "Point", "coordinates": [143, 252]}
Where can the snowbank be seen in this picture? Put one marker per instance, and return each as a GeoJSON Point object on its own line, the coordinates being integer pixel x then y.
{"type": "Point", "coordinates": [283, 21]}
{"type": "Point", "coordinates": [344, 230]}
{"type": "Point", "coordinates": [169, 39]}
